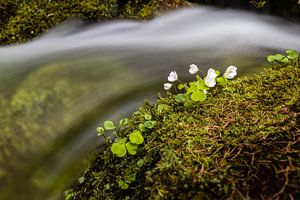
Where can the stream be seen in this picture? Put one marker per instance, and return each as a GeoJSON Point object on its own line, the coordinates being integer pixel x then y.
{"type": "Point", "coordinates": [56, 89]}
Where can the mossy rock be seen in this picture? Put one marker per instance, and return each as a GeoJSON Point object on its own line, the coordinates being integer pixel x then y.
{"type": "Point", "coordinates": [243, 142]}
{"type": "Point", "coordinates": [21, 20]}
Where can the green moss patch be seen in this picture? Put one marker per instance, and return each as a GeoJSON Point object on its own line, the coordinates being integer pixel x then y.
{"type": "Point", "coordinates": [242, 142]}
{"type": "Point", "coordinates": [21, 20]}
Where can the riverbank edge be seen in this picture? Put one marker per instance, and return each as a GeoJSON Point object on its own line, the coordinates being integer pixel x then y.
{"type": "Point", "coordinates": [242, 142]}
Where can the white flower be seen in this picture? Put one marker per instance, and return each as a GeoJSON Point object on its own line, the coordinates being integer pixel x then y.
{"type": "Point", "coordinates": [193, 69]}
{"type": "Point", "coordinates": [211, 73]}
{"type": "Point", "coordinates": [230, 72]}
{"type": "Point", "coordinates": [210, 81]}
{"type": "Point", "coordinates": [172, 76]}
{"type": "Point", "coordinates": [167, 86]}
{"type": "Point", "coordinates": [205, 91]}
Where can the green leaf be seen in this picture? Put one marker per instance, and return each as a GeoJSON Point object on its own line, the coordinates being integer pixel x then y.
{"type": "Point", "coordinates": [142, 128]}
{"type": "Point", "coordinates": [147, 116]}
{"type": "Point", "coordinates": [162, 108]}
{"type": "Point", "coordinates": [123, 185]}
{"type": "Point", "coordinates": [131, 148]}
{"type": "Point", "coordinates": [278, 57]}
{"type": "Point", "coordinates": [100, 131]}
{"type": "Point", "coordinates": [123, 140]}
{"type": "Point", "coordinates": [109, 125]}
{"type": "Point", "coordinates": [119, 149]}
{"type": "Point", "coordinates": [150, 124]}
{"type": "Point", "coordinates": [181, 86]}
{"type": "Point", "coordinates": [222, 80]}
{"type": "Point", "coordinates": [191, 89]}
{"type": "Point", "coordinates": [198, 96]}
{"type": "Point", "coordinates": [292, 54]}
{"type": "Point", "coordinates": [181, 97]}
{"type": "Point", "coordinates": [271, 58]}
{"type": "Point", "coordinates": [189, 104]}
{"type": "Point", "coordinates": [198, 78]}
{"type": "Point", "coordinates": [201, 86]}
{"type": "Point", "coordinates": [136, 137]}
{"type": "Point", "coordinates": [123, 122]}
{"type": "Point", "coordinates": [285, 60]}
{"type": "Point", "coordinates": [217, 72]}
{"type": "Point", "coordinates": [140, 163]}
{"type": "Point", "coordinates": [193, 83]}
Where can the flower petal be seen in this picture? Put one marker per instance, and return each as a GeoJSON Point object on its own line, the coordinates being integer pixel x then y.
{"type": "Point", "coordinates": [167, 86]}
{"type": "Point", "coordinates": [230, 72]}
{"type": "Point", "coordinates": [193, 69]}
{"type": "Point", "coordinates": [209, 81]}
{"type": "Point", "coordinates": [173, 76]}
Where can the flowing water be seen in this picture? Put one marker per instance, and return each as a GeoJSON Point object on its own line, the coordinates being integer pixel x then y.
{"type": "Point", "coordinates": [56, 89]}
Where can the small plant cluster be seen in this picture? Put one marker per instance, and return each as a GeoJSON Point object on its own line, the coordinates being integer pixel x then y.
{"type": "Point", "coordinates": [196, 91]}
{"type": "Point", "coordinates": [290, 58]}
{"type": "Point", "coordinates": [129, 144]}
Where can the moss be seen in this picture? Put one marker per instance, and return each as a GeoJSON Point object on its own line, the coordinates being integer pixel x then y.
{"type": "Point", "coordinates": [21, 20]}
{"type": "Point", "coordinates": [242, 142]}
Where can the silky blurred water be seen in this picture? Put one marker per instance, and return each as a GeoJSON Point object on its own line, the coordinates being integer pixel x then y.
{"type": "Point", "coordinates": [56, 89]}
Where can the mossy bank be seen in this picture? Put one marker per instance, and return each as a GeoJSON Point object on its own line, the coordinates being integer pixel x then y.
{"type": "Point", "coordinates": [22, 20]}
{"type": "Point", "coordinates": [243, 142]}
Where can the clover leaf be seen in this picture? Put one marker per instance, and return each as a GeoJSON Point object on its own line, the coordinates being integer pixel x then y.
{"type": "Point", "coordinates": [142, 127]}
{"type": "Point", "coordinates": [222, 80]}
{"type": "Point", "coordinates": [131, 148]}
{"type": "Point", "coordinates": [181, 97]}
{"type": "Point", "coordinates": [136, 137]}
{"type": "Point", "coordinates": [147, 116]}
{"type": "Point", "coordinates": [292, 54]}
{"type": "Point", "coordinates": [198, 96]}
{"type": "Point", "coordinates": [271, 58]}
{"type": "Point", "coordinates": [150, 124]}
{"type": "Point", "coordinates": [119, 149]}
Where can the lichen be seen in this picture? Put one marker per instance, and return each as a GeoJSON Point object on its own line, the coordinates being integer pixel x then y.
{"type": "Point", "coordinates": [242, 142]}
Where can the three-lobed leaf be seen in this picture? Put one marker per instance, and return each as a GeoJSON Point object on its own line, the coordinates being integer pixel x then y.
{"type": "Point", "coordinates": [189, 104]}
{"type": "Point", "coordinates": [292, 54]}
{"type": "Point", "coordinates": [131, 148]}
{"type": "Point", "coordinates": [136, 137]}
{"type": "Point", "coordinates": [147, 116]}
{"type": "Point", "coordinates": [181, 97]}
{"type": "Point", "coordinates": [150, 124]}
{"type": "Point", "coordinates": [222, 80]}
{"type": "Point", "coordinates": [162, 108]}
{"type": "Point", "coordinates": [142, 128]}
{"type": "Point", "coordinates": [198, 96]}
{"type": "Point", "coordinates": [119, 149]}
{"type": "Point", "coordinates": [181, 86]}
